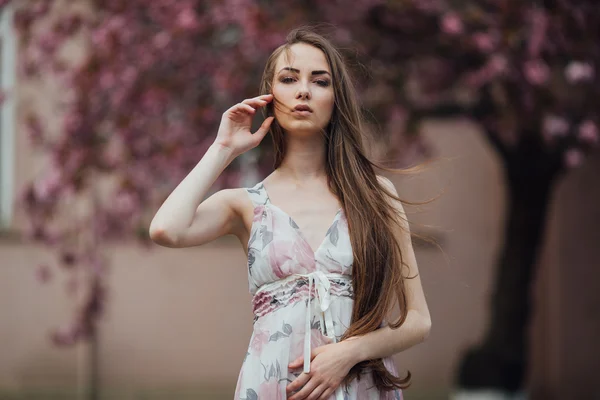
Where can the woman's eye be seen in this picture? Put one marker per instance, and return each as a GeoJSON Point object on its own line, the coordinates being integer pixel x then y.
{"type": "Point", "coordinates": [320, 82]}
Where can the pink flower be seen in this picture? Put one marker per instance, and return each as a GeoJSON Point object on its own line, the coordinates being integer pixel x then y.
{"type": "Point", "coordinates": [49, 42]}
{"type": "Point", "coordinates": [51, 235]}
{"type": "Point", "coordinates": [161, 40]}
{"type": "Point", "coordinates": [270, 390]}
{"type": "Point", "coordinates": [69, 24]}
{"type": "Point", "coordinates": [554, 126]}
{"type": "Point", "coordinates": [258, 211]}
{"type": "Point", "coordinates": [125, 203]}
{"type": "Point", "coordinates": [579, 72]}
{"type": "Point", "coordinates": [110, 159]}
{"type": "Point", "coordinates": [484, 41]}
{"type": "Point", "coordinates": [317, 339]}
{"type": "Point", "coordinates": [40, 8]}
{"type": "Point", "coordinates": [72, 122]}
{"type": "Point", "coordinates": [497, 65]}
{"type": "Point", "coordinates": [116, 23]}
{"type": "Point", "coordinates": [100, 37]}
{"type": "Point", "coordinates": [573, 158]}
{"type": "Point", "coordinates": [259, 339]}
{"type": "Point", "coordinates": [536, 72]}
{"type": "Point", "coordinates": [289, 256]}
{"type": "Point", "coordinates": [107, 80]}
{"type": "Point", "coordinates": [187, 19]}
{"type": "Point", "coordinates": [452, 24]}
{"type": "Point", "coordinates": [539, 24]}
{"type": "Point", "coordinates": [130, 75]}
{"type": "Point", "coordinates": [428, 6]}
{"type": "Point", "coordinates": [67, 336]}
{"type": "Point", "coordinates": [49, 185]}
{"type": "Point", "coordinates": [588, 132]}
{"type": "Point", "coordinates": [289, 252]}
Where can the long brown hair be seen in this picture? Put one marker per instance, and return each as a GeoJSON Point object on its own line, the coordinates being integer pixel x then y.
{"type": "Point", "coordinates": [377, 270]}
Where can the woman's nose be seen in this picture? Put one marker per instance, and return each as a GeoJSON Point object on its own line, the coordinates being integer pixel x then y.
{"type": "Point", "coordinates": [303, 93]}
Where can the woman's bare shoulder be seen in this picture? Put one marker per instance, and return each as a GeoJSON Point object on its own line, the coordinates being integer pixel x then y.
{"type": "Point", "coordinates": [237, 199]}
{"type": "Point", "coordinates": [387, 184]}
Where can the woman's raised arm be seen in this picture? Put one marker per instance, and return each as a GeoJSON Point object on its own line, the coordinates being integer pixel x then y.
{"type": "Point", "coordinates": [184, 220]}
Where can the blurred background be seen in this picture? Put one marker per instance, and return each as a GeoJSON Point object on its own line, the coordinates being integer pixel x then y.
{"type": "Point", "coordinates": [108, 104]}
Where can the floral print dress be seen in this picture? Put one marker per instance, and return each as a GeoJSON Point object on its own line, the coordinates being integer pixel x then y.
{"type": "Point", "coordinates": [302, 299]}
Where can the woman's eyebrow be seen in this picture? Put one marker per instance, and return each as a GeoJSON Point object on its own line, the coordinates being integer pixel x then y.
{"type": "Point", "coordinates": [318, 72]}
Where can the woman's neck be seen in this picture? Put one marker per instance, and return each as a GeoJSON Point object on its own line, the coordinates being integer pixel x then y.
{"type": "Point", "coordinates": [304, 158]}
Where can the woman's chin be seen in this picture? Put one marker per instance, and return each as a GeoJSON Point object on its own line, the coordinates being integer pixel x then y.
{"type": "Point", "coordinates": [301, 127]}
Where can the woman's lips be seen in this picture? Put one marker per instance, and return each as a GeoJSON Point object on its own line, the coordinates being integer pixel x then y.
{"type": "Point", "coordinates": [303, 113]}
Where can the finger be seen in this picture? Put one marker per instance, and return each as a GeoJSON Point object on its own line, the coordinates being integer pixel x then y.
{"type": "Point", "coordinates": [264, 128]}
{"type": "Point", "coordinates": [308, 388]}
{"type": "Point", "coordinates": [313, 352]}
{"type": "Point", "coordinates": [263, 96]}
{"type": "Point", "coordinates": [256, 102]}
{"type": "Point", "coordinates": [326, 394]}
{"type": "Point", "coordinates": [317, 350]}
{"type": "Point", "coordinates": [297, 383]}
{"type": "Point", "coordinates": [297, 363]}
{"type": "Point", "coordinates": [241, 107]}
{"type": "Point", "coordinates": [316, 394]}
{"type": "Point", "coordinates": [267, 97]}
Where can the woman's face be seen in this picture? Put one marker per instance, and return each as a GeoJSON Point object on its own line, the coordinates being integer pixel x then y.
{"type": "Point", "coordinates": [303, 90]}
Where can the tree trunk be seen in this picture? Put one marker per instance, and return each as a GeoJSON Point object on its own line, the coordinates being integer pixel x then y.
{"type": "Point", "coordinates": [501, 361]}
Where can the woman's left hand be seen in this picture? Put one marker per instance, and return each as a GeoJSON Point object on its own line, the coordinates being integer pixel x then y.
{"type": "Point", "coordinates": [329, 365]}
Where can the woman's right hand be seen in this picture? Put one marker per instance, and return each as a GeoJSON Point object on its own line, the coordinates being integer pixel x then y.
{"type": "Point", "coordinates": [234, 131]}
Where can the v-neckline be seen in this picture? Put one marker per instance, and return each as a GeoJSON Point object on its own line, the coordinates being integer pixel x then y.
{"type": "Point", "coordinates": [297, 227]}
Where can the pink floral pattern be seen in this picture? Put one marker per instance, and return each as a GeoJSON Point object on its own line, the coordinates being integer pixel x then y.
{"type": "Point", "coordinates": [279, 257]}
{"type": "Point", "coordinates": [270, 390]}
{"type": "Point", "coordinates": [290, 257]}
{"type": "Point", "coordinates": [259, 339]}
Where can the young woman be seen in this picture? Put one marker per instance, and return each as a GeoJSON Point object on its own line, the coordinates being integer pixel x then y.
{"type": "Point", "coordinates": [328, 245]}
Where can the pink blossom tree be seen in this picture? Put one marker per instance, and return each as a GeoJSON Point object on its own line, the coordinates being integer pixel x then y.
{"type": "Point", "coordinates": [143, 105]}
{"type": "Point", "coordinates": [527, 73]}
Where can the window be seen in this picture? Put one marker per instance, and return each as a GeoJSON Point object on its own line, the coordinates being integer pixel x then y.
{"type": "Point", "coordinates": [7, 116]}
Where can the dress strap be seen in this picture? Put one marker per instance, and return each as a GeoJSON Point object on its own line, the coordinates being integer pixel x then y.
{"type": "Point", "coordinates": [258, 194]}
